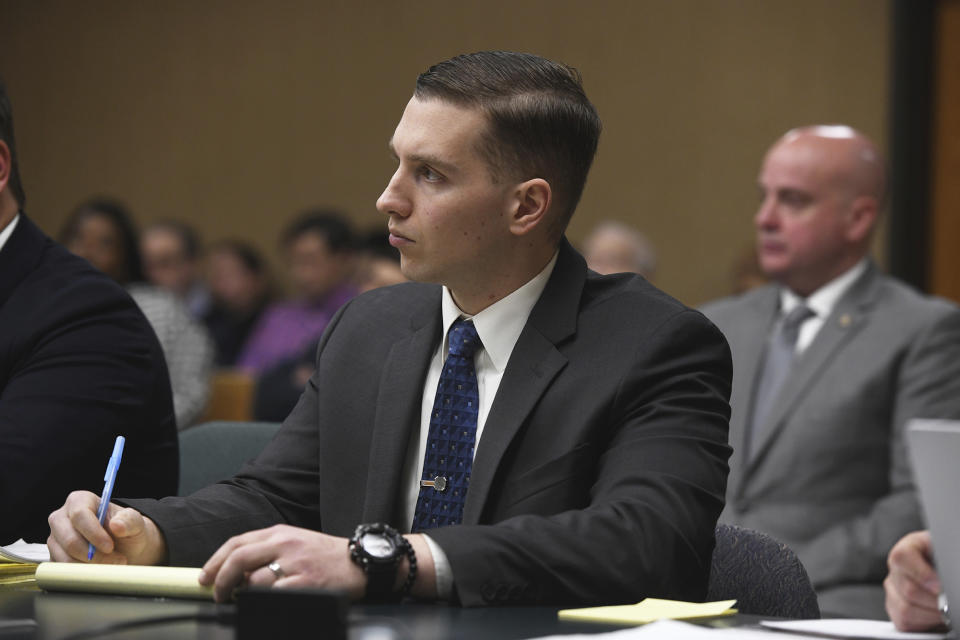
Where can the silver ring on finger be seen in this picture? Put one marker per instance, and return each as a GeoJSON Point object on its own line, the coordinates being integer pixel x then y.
{"type": "Point", "coordinates": [277, 571]}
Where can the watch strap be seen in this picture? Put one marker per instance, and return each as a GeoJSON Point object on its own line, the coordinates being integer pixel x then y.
{"type": "Point", "coordinates": [382, 573]}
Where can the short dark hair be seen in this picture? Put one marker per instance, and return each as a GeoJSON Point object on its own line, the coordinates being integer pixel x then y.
{"type": "Point", "coordinates": [541, 124]}
{"type": "Point", "coordinates": [248, 256]}
{"type": "Point", "coordinates": [189, 239]}
{"type": "Point", "coordinates": [119, 216]}
{"type": "Point", "coordinates": [6, 135]}
{"type": "Point", "coordinates": [334, 226]}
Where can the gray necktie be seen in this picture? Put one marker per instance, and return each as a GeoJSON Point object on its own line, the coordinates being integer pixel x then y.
{"type": "Point", "coordinates": [778, 357]}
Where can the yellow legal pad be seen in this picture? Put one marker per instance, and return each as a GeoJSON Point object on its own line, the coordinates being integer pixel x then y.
{"type": "Point", "coordinates": [175, 582]}
{"type": "Point", "coordinates": [16, 569]}
{"type": "Point", "coordinates": [649, 610]}
{"type": "Point", "coordinates": [16, 573]}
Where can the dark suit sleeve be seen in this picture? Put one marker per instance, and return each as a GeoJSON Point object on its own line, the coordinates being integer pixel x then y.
{"type": "Point", "coordinates": [279, 486]}
{"type": "Point", "coordinates": [927, 386]}
{"type": "Point", "coordinates": [656, 493]}
{"type": "Point", "coordinates": [86, 368]}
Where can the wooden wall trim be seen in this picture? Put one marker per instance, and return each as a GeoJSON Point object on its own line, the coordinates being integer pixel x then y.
{"type": "Point", "coordinates": [944, 266]}
{"type": "Point", "coordinates": [911, 107]}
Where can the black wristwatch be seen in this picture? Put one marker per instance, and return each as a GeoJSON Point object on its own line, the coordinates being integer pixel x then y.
{"type": "Point", "coordinates": [378, 549]}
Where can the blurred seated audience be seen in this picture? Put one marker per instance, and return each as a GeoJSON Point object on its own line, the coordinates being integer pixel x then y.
{"type": "Point", "coordinates": [747, 273]}
{"type": "Point", "coordinates": [172, 261]}
{"type": "Point", "coordinates": [102, 231]}
{"type": "Point", "coordinates": [613, 247]}
{"type": "Point", "coordinates": [319, 250]}
{"type": "Point", "coordinates": [379, 261]}
{"type": "Point", "coordinates": [78, 365]}
{"type": "Point", "coordinates": [279, 388]}
{"type": "Point", "coordinates": [239, 292]}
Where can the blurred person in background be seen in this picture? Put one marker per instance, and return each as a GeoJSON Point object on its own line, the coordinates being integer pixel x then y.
{"type": "Point", "coordinates": [239, 292]}
{"type": "Point", "coordinates": [830, 362]}
{"type": "Point", "coordinates": [102, 231]}
{"type": "Point", "coordinates": [319, 251]}
{"type": "Point", "coordinates": [379, 262]}
{"type": "Point", "coordinates": [172, 261]}
{"type": "Point", "coordinates": [613, 247]}
{"type": "Point", "coordinates": [746, 273]}
{"type": "Point", "coordinates": [279, 388]}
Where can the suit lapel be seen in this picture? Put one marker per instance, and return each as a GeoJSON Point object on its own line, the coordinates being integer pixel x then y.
{"type": "Point", "coordinates": [533, 364]}
{"type": "Point", "coordinates": [746, 365]}
{"type": "Point", "coordinates": [848, 317]}
{"type": "Point", "coordinates": [398, 412]}
{"type": "Point", "coordinates": [20, 255]}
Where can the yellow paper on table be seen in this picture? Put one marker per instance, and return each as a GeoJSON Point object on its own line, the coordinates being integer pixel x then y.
{"type": "Point", "coordinates": [134, 580]}
{"type": "Point", "coordinates": [18, 562]}
{"type": "Point", "coordinates": [16, 568]}
{"type": "Point", "coordinates": [649, 610]}
{"type": "Point", "coordinates": [17, 581]}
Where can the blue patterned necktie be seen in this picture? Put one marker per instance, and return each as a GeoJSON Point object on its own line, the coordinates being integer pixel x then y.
{"type": "Point", "coordinates": [452, 436]}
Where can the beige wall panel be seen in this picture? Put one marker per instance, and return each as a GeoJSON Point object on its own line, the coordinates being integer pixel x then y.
{"type": "Point", "coordinates": [235, 115]}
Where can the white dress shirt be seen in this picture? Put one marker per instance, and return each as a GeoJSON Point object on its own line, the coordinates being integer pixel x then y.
{"type": "Point", "coordinates": [821, 302]}
{"type": "Point", "coordinates": [8, 230]}
{"type": "Point", "coordinates": [499, 327]}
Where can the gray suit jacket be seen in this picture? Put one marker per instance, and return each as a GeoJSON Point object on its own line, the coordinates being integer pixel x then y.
{"type": "Point", "coordinates": [830, 475]}
{"type": "Point", "coordinates": [601, 469]}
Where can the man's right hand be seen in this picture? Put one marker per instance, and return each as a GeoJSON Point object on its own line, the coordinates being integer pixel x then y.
{"type": "Point", "coordinates": [129, 537]}
{"type": "Point", "coordinates": [912, 585]}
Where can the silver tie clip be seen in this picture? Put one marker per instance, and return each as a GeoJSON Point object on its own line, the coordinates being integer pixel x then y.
{"type": "Point", "coordinates": [439, 483]}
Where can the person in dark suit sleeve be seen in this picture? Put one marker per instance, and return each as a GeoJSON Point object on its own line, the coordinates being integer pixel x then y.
{"type": "Point", "coordinates": [78, 366]}
{"type": "Point", "coordinates": [601, 465]}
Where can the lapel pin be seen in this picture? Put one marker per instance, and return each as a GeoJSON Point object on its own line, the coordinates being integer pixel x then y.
{"type": "Point", "coordinates": [845, 320]}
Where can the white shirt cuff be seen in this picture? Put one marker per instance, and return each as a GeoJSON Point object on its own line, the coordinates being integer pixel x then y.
{"type": "Point", "coordinates": [442, 569]}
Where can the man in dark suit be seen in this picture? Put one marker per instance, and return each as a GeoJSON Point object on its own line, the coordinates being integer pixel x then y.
{"type": "Point", "coordinates": [598, 404]}
{"type": "Point", "coordinates": [78, 366]}
{"type": "Point", "coordinates": [820, 460]}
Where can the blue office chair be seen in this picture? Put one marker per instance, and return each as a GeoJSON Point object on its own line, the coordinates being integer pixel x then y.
{"type": "Point", "coordinates": [215, 451]}
{"type": "Point", "coordinates": [763, 575]}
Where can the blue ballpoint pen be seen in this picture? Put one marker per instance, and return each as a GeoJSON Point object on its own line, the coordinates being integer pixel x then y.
{"type": "Point", "coordinates": [108, 479]}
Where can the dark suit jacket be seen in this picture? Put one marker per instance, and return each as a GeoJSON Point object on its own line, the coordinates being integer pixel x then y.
{"type": "Point", "coordinates": [831, 475]}
{"type": "Point", "coordinates": [599, 475]}
{"type": "Point", "coordinates": [79, 365]}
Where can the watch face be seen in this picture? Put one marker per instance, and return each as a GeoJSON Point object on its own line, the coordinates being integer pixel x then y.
{"type": "Point", "coordinates": [377, 545]}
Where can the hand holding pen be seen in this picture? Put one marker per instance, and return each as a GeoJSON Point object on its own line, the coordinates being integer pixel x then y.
{"type": "Point", "coordinates": [86, 524]}
{"type": "Point", "coordinates": [109, 479]}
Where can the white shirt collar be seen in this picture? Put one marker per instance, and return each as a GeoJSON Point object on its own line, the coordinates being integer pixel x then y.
{"type": "Point", "coordinates": [8, 231]}
{"type": "Point", "coordinates": [823, 300]}
{"type": "Point", "coordinates": [500, 324]}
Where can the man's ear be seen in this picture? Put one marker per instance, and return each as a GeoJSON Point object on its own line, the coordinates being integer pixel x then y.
{"type": "Point", "coordinates": [532, 200]}
{"type": "Point", "coordinates": [861, 218]}
{"type": "Point", "coordinates": [5, 165]}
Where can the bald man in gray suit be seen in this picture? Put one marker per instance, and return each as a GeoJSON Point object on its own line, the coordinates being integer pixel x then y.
{"type": "Point", "coordinates": [819, 410]}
